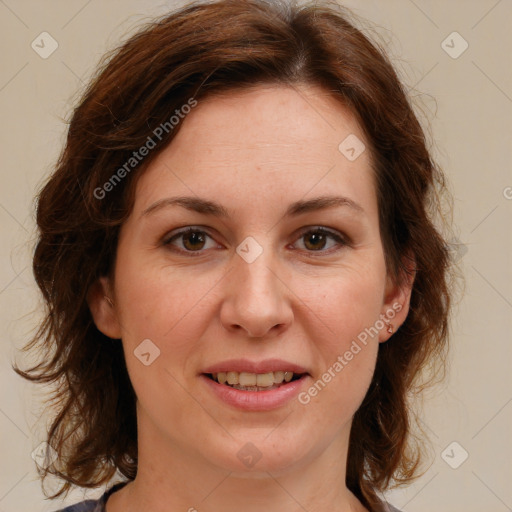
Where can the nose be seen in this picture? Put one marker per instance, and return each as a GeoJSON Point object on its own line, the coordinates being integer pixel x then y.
{"type": "Point", "coordinates": [257, 300]}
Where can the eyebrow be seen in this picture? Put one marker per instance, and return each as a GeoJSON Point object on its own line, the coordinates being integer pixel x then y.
{"type": "Point", "coordinates": [207, 207]}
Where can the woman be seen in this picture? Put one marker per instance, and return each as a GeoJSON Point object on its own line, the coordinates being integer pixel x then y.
{"type": "Point", "coordinates": [243, 280]}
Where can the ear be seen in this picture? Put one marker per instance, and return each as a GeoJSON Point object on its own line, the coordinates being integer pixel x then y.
{"type": "Point", "coordinates": [397, 297]}
{"type": "Point", "coordinates": [103, 312]}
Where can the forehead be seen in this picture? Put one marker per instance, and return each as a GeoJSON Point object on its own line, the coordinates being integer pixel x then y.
{"type": "Point", "coordinates": [279, 140]}
{"type": "Point", "coordinates": [270, 118]}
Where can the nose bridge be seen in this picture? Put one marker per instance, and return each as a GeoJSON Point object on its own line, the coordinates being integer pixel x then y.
{"type": "Point", "coordinates": [255, 271]}
{"type": "Point", "coordinates": [257, 300]}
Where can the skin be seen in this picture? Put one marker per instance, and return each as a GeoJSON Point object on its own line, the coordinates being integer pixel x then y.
{"type": "Point", "coordinates": [302, 300]}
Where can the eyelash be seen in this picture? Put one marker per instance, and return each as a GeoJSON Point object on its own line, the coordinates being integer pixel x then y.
{"type": "Point", "coordinates": [342, 241]}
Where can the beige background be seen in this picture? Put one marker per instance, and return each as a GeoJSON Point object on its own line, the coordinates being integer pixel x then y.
{"type": "Point", "coordinates": [467, 100]}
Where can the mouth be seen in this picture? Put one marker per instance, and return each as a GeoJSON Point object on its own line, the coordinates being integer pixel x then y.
{"type": "Point", "coordinates": [256, 382]}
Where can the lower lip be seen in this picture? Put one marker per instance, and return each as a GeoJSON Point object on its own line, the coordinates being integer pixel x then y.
{"type": "Point", "coordinates": [256, 400]}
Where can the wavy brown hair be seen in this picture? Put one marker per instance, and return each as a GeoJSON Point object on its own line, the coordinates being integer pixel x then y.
{"type": "Point", "coordinates": [198, 51]}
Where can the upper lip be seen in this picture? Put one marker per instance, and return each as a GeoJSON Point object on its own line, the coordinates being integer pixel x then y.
{"type": "Point", "coordinates": [265, 366]}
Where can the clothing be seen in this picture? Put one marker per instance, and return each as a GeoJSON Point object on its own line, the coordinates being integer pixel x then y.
{"type": "Point", "coordinates": [93, 505]}
{"type": "Point", "coordinates": [99, 504]}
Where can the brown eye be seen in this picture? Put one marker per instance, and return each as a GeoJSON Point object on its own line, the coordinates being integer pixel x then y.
{"type": "Point", "coordinates": [192, 240]}
{"type": "Point", "coordinates": [315, 240]}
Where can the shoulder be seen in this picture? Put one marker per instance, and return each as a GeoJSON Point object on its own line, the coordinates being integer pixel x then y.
{"type": "Point", "coordinates": [93, 505]}
{"type": "Point", "coordinates": [83, 506]}
{"type": "Point", "coordinates": [390, 508]}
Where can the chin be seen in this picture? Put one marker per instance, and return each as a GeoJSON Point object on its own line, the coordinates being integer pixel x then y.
{"type": "Point", "coordinates": [255, 454]}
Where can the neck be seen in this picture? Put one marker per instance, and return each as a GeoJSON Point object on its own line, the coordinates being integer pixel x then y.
{"type": "Point", "coordinates": [171, 478]}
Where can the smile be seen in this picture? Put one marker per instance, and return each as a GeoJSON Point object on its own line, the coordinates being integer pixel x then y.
{"type": "Point", "coordinates": [252, 397]}
{"type": "Point", "coordinates": [247, 381]}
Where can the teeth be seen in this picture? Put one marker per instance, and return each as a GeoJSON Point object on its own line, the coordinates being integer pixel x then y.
{"type": "Point", "coordinates": [265, 379]}
{"type": "Point", "coordinates": [278, 377]}
{"type": "Point", "coordinates": [232, 377]}
{"type": "Point", "coordinates": [246, 379]}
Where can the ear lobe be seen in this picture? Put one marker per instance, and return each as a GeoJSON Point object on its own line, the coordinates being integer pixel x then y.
{"type": "Point", "coordinates": [102, 310]}
{"type": "Point", "coordinates": [397, 297]}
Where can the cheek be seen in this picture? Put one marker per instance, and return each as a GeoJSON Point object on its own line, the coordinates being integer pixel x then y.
{"type": "Point", "coordinates": [346, 353]}
{"type": "Point", "coordinates": [348, 316]}
{"type": "Point", "coordinates": [152, 306]}
{"type": "Point", "coordinates": [338, 392]}
{"type": "Point", "coordinates": [158, 301]}
{"type": "Point", "coordinates": [347, 302]}
{"type": "Point", "coordinates": [167, 307]}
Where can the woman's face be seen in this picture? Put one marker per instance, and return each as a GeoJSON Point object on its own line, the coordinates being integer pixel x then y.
{"type": "Point", "coordinates": [255, 287]}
